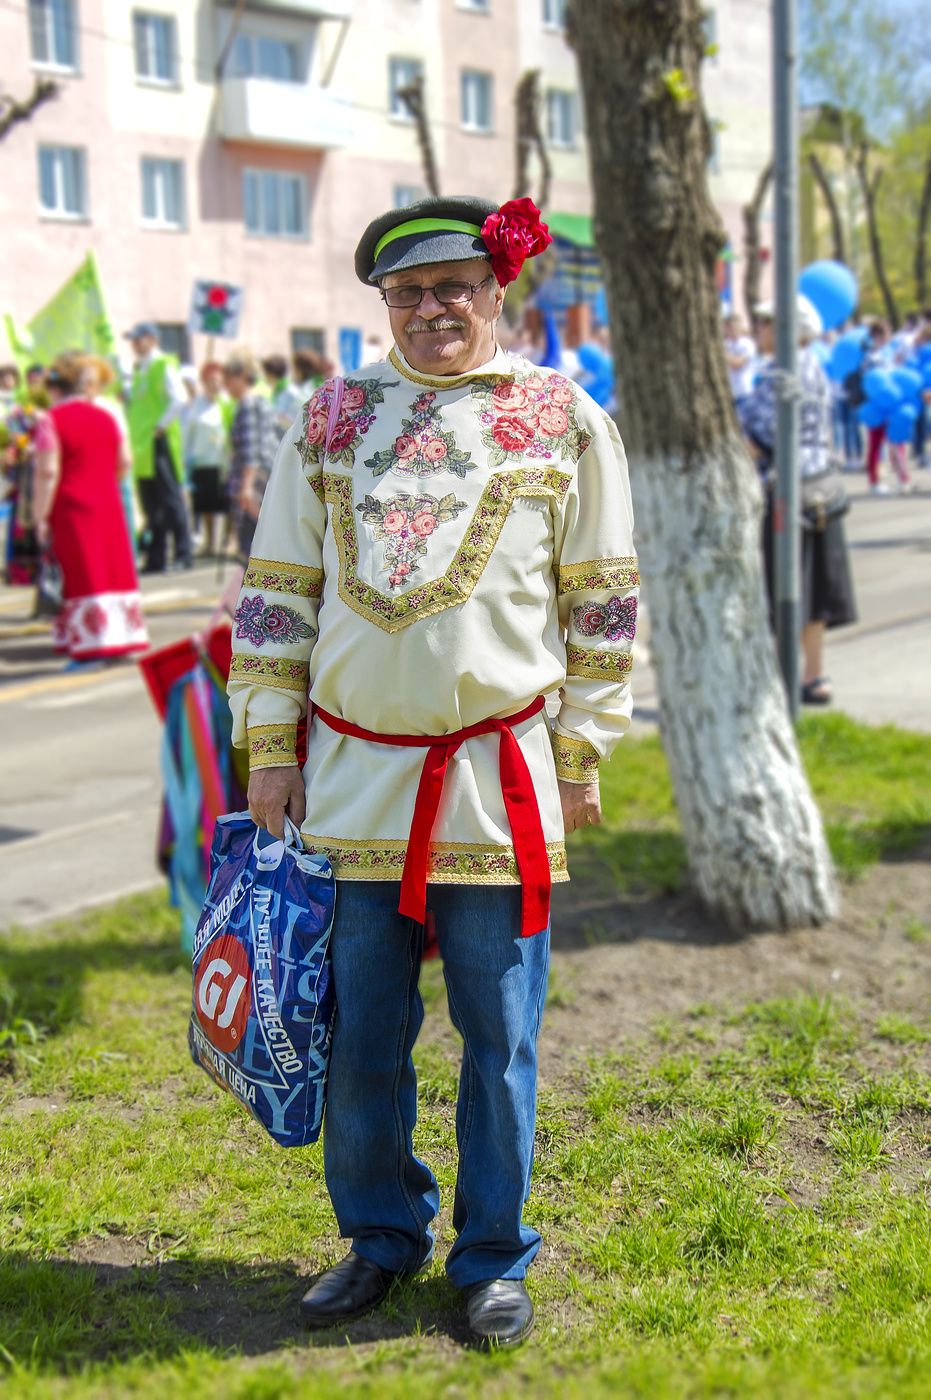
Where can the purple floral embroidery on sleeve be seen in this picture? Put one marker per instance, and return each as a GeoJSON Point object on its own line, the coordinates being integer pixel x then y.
{"type": "Point", "coordinates": [259, 622]}
{"type": "Point", "coordinates": [616, 619]}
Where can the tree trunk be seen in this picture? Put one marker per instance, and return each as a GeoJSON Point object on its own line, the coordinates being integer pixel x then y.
{"type": "Point", "coordinates": [921, 236]}
{"type": "Point", "coordinates": [754, 837]}
{"type": "Point", "coordinates": [11, 111]}
{"type": "Point", "coordinates": [870, 188]}
{"type": "Point", "coordinates": [752, 263]}
{"type": "Point", "coordinates": [413, 99]}
{"type": "Point", "coordinates": [824, 185]}
{"type": "Point", "coordinates": [530, 138]}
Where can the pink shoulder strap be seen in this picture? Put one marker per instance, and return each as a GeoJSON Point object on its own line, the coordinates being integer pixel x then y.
{"type": "Point", "coordinates": [336, 404]}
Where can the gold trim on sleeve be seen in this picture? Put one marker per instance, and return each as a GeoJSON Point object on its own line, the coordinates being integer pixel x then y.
{"type": "Point", "coordinates": [272, 745]}
{"type": "Point", "coordinates": [278, 576]}
{"type": "Point", "coordinates": [598, 665]}
{"type": "Point", "coordinates": [576, 760]}
{"type": "Point", "coordinates": [595, 574]}
{"type": "Point", "coordinates": [280, 673]}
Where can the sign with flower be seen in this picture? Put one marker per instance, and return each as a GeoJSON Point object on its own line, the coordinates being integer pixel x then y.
{"type": "Point", "coordinates": [405, 523]}
{"type": "Point", "coordinates": [531, 415]}
{"type": "Point", "coordinates": [216, 308]}
{"type": "Point", "coordinates": [356, 416]}
{"type": "Point", "coordinates": [423, 447]}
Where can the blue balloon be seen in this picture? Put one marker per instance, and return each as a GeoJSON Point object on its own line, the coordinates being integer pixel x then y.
{"type": "Point", "coordinates": [832, 290]}
{"type": "Point", "coordinates": [926, 375]}
{"type": "Point", "coordinates": [902, 423]}
{"type": "Point", "coordinates": [881, 389]}
{"type": "Point", "coordinates": [847, 355]}
{"type": "Point", "coordinates": [871, 415]}
{"type": "Point", "coordinates": [924, 354]}
{"type": "Point", "coordinates": [909, 381]}
{"type": "Point", "coordinates": [822, 353]}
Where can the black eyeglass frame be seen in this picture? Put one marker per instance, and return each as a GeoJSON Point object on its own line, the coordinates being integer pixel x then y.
{"type": "Point", "coordinates": [409, 306]}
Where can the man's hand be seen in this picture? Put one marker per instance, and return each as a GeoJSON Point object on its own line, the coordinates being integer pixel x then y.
{"type": "Point", "coordinates": [581, 804]}
{"type": "Point", "coordinates": [272, 793]}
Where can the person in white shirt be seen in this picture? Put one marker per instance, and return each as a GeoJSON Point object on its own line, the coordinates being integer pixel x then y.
{"type": "Point", "coordinates": [741, 356]}
{"type": "Point", "coordinates": [206, 452]}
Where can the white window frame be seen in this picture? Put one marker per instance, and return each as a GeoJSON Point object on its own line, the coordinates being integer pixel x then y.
{"type": "Point", "coordinates": [477, 7]}
{"type": "Point", "coordinates": [569, 103]}
{"type": "Point", "coordinates": [554, 14]}
{"type": "Point", "coordinates": [52, 64]}
{"type": "Point", "coordinates": [78, 155]}
{"type": "Point", "coordinates": [253, 38]}
{"type": "Point", "coordinates": [465, 75]}
{"type": "Point", "coordinates": [148, 19]}
{"type": "Point", "coordinates": [160, 168]}
{"type": "Point", "coordinates": [406, 195]}
{"type": "Point", "coordinates": [262, 174]}
{"type": "Point", "coordinates": [402, 71]}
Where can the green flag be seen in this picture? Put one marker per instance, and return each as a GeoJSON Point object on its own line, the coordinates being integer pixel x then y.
{"type": "Point", "coordinates": [75, 319]}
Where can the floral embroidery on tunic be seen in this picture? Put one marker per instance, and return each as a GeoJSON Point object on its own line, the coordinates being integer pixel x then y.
{"type": "Point", "coordinates": [391, 613]}
{"type": "Point", "coordinates": [404, 522]}
{"type": "Point", "coordinates": [280, 673]}
{"type": "Point", "coordinates": [276, 576]}
{"type": "Point", "coordinates": [596, 574]}
{"type": "Point", "coordinates": [616, 618]}
{"type": "Point", "coordinates": [449, 862]}
{"type": "Point", "coordinates": [598, 665]}
{"type": "Point", "coordinates": [531, 415]}
{"type": "Point", "coordinates": [271, 745]}
{"type": "Point", "coordinates": [356, 416]}
{"type": "Point", "coordinates": [422, 448]}
{"type": "Point", "coordinates": [576, 760]}
{"type": "Point", "coordinates": [259, 622]}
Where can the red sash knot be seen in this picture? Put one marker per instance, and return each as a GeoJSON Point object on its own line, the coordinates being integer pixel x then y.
{"type": "Point", "coordinates": [520, 802]}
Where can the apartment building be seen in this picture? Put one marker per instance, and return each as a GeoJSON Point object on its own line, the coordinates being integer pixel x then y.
{"type": "Point", "coordinates": [252, 143]}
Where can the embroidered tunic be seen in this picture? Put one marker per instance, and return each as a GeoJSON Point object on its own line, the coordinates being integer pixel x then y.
{"type": "Point", "coordinates": [465, 546]}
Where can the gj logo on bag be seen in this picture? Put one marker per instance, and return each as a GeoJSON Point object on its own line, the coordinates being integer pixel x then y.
{"type": "Point", "coordinates": [263, 994]}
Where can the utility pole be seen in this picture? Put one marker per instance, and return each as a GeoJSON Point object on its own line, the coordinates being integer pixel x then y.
{"type": "Point", "coordinates": [786, 504]}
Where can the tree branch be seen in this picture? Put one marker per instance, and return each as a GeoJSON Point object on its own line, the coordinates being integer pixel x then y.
{"type": "Point", "coordinates": [824, 185]}
{"type": "Point", "coordinates": [530, 137]}
{"type": "Point", "coordinates": [870, 188]}
{"type": "Point", "coordinates": [751, 213]}
{"type": "Point", "coordinates": [11, 111]}
{"type": "Point", "coordinates": [921, 234]}
{"type": "Point", "coordinates": [413, 98]}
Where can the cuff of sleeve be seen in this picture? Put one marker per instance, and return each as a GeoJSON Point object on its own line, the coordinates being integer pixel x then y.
{"type": "Point", "coordinates": [576, 759]}
{"type": "Point", "coordinates": [272, 746]}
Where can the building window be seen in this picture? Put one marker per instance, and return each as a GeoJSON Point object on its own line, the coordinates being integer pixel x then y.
{"type": "Point", "coordinates": [62, 183]}
{"type": "Point", "coordinates": [408, 194]}
{"type": "Point", "coordinates": [274, 204]}
{"type": "Point", "coordinates": [482, 5]}
{"type": "Point", "coordinates": [263, 56]}
{"type": "Point", "coordinates": [308, 338]}
{"type": "Point", "coordinates": [476, 101]}
{"type": "Point", "coordinates": [554, 14]}
{"type": "Point", "coordinates": [173, 339]}
{"type": "Point", "coordinates": [402, 72]}
{"type": "Point", "coordinates": [709, 24]}
{"type": "Point", "coordinates": [155, 47]}
{"type": "Point", "coordinates": [52, 30]}
{"type": "Point", "coordinates": [561, 118]}
{"type": "Point", "coordinates": [162, 193]}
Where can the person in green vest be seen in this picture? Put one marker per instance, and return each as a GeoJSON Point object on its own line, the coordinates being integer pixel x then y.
{"type": "Point", "coordinates": [156, 399]}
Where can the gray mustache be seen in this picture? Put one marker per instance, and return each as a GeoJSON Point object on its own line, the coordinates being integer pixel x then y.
{"type": "Point", "coordinates": [442, 323]}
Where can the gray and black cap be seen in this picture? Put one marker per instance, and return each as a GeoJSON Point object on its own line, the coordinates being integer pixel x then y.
{"type": "Point", "coordinates": [432, 231]}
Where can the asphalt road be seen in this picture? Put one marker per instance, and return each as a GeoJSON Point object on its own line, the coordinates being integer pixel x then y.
{"type": "Point", "coordinates": [79, 754]}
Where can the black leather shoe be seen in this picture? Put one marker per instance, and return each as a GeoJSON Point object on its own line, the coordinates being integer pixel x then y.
{"type": "Point", "coordinates": [499, 1312]}
{"type": "Point", "coordinates": [350, 1289]}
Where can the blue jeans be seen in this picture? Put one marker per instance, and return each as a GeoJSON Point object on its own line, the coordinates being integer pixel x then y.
{"type": "Point", "coordinates": [383, 1196]}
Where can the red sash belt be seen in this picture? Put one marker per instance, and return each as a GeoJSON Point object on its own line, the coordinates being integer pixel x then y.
{"type": "Point", "coordinates": [520, 802]}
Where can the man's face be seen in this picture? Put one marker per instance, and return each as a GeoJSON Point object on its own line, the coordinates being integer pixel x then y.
{"type": "Point", "coordinates": [765, 336]}
{"type": "Point", "coordinates": [143, 345]}
{"type": "Point", "coordinates": [439, 339]}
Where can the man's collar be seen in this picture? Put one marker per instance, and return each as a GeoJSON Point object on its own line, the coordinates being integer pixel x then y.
{"type": "Point", "coordinates": [499, 364]}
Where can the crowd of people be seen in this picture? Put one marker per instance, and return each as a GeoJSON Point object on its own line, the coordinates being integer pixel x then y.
{"type": "Point", "coordinates": [107, 475]}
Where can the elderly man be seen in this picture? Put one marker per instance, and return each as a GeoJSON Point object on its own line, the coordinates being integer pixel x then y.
{"type": "Point", "coordinates": [445, 539]}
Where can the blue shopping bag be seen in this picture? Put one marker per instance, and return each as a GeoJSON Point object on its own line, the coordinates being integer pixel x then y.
{"type": "Point", "coordinates": [263, 986]}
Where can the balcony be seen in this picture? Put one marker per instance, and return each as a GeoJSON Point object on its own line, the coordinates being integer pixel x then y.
{"type": "Point", "coordinates": [272, 113]}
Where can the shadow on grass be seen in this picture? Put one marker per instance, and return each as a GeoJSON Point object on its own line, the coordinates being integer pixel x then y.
{"type": "Point", "coordinates": [58, 1316]}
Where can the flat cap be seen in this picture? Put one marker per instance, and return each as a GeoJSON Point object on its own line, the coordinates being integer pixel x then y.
{"type": "Point", "coordinates": [430, 231]}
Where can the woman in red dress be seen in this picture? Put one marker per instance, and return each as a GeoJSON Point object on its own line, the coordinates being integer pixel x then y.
{"type": "Point", "coordinates": [80, 459]}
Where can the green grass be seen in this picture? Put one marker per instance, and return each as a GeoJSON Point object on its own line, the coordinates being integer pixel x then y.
{"type": "Point", "coordinates": [872, 785]}
{"type": "Point", "coordinates": [736, 1206]}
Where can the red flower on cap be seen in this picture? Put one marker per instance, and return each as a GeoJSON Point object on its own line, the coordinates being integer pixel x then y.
{"type": "Point", "coordinates": [513, 234]}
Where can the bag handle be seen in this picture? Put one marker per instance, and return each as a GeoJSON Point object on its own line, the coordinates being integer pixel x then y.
{"type": "Point", "coordinates": [336, 405]}
{"type": "Point", "coordinates": [270, 857]}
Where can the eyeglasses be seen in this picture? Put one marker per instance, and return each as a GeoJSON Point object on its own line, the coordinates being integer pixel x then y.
{"type": "Point", "coordinates": [449, 293]}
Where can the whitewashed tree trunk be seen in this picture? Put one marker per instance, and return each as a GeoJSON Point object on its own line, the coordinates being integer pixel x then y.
{"type": "Point", "coordinates": [754, 837]}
